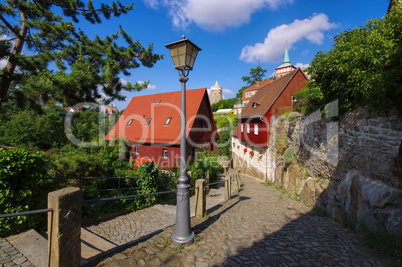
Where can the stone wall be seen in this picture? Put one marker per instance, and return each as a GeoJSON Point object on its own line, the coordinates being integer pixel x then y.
{"type": "Point", "coordinates": [255, 165]}
{"type": "Point", "coordinates": [352, 167]}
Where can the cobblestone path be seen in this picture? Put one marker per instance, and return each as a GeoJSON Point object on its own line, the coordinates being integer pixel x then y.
{"type": "Point", "coordinates": [10, 256]}
{"type": "Point", "coordinates": [257, 227]}
{"type": "Point", "coordinates": [129, 228]}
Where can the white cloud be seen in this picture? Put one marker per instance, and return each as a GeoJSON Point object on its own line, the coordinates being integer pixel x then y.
{"type": "Point", "coordinates": [149, 87]}
{"type": "Point", "coordinates": [271, 50]}
{"type": "Point", "coordinates": [123, 82]}
{"type": "Point", "coordinates": [302, 66]}
{"type": "Point", "coordinates": [227, 91]}
{"type": "Point", "coordinates": [213, 15]}
{"type": "Point", "coordinates": [151, 3]}
{"type": "Point", "coordinates": [3, 61]}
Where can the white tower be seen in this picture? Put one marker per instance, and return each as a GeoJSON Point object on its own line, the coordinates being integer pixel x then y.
{"type": "Point", "coordinates": [216, 93]}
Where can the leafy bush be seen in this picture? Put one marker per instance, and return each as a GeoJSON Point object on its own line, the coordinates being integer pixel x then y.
{"type": "Point", "coordinates": [71, 161]}
{"type": "Point", "coordinates": [224, 103]}
{"type": "Point", "coordinates": [361, 69]}
{"type": "Point", "coordinates": [32, 129]}
{"type": "Point", "coordinates": [21, 189]}
{"type": "Point", "coordinates": [205, 161]}
{"type": "Point", "coordinates": [289, 155]}
{"type": "Point", "coordinates": [228, 122]}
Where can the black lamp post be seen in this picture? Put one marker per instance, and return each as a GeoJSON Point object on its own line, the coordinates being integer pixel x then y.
{"type": "Point", "coordinates": [183, 53]}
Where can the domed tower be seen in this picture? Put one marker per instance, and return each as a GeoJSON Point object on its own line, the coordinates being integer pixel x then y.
{"type": "Point", "coordinates": [216, 93]}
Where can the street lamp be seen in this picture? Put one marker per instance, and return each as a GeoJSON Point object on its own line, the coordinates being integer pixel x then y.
{"type": "Point", "coordinates": [183, 53]}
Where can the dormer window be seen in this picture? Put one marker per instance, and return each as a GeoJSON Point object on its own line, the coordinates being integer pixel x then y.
{"type": "Point", "coordinates": [255, 104]}
{"type": "Point", "coordinates": [168, 120]}
{"type": "Point", "coordinates": [148, 121]}
{"type": "Point", "coordinates": [130, 121]}
{"type": "Point", "coordinates": [157, 102]}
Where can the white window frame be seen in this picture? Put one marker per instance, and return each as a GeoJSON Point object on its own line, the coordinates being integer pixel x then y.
{"type": "Point", "coordinates": [129, 122]}
{"type": "Point", "coordinates": [164, 153]}
{"type": "Point", "coordinates": [241, 127]}
{"type": "Point", "coordinates": [168, 120]}
{"type": "Point", "coordinates": [248, 127]}
{"type": "Point", "coordinates": [136, 150]}
{"type": "Point", "coordinates": [255, 129]}
{"type": "Point", "coordinates": [148, 121]}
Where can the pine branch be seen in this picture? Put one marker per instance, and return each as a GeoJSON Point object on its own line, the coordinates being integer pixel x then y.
{"type": "Point", "coordinates": [10, 27]}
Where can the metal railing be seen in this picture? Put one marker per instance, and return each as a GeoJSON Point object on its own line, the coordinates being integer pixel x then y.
{"type": "Point", "coordinates": [24, 213]}
{"type": "Point", "coordinates": [33, 212]}
{"type": "Point", "coordinates": [118, 188]}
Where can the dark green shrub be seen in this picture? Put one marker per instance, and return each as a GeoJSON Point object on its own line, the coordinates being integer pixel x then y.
{"type": "Point", "coordinates": [21, 189]}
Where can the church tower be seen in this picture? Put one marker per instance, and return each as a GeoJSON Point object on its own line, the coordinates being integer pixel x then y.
{"type": "Point", "coordinates": [216, 93]}
{"type": "Point", "coordinates": [286, 67]}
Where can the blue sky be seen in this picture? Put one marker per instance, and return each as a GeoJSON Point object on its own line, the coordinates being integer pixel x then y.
{"type": "Point", "coordinates": [235, 36]}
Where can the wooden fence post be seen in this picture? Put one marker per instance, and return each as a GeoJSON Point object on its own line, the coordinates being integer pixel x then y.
{"type": "Point", "coordinates": [200, 201]}
{"type": "Point", "coordinates": [228, 188]}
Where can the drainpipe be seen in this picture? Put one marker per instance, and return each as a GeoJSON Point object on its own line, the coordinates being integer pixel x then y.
{"type": "Point", "coordinates": [266, 157]}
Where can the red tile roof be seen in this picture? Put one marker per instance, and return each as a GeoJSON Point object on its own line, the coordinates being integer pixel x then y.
{"type": "Point", "coordinates": [254, 87]}
{"type": "Point", "coordinates": [266, 96]}
{"type": "Point", "coordinates": [141, 108]}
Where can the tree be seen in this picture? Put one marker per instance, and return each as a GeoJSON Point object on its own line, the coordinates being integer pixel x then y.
{"type": "Point", "coordinates": [362, 68]}
{"type": "Point", "coordinates": [224, 103]}
{"type": "Point", "coordinates": [256, 75]}
{"type": "Point", "coordinates": [49, 58]}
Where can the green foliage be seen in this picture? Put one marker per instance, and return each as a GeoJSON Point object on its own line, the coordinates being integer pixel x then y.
{"type": "Point", "coordinates": [388, 245]}
{"type": "Point", "coordinates": [224, 104]}
{"type": "Point", "coordinates": [361, 69]}
{"type": "Point", "coordinates": [71, 161]}
{"type": "Point", "coordinates": [292, 120]}
{"type": "Point", "coordinates": [148, 183]}
{"type": "Point", "coordinates": [226, 120]}
{"type": "Point", "coordinates": [289, 155]}
{"type": "Point", "coordinates": [318, 211]}
{"type": "Point", "coordinates": [28, 128]}
{"type": "Point", "coordinates": [256, 75]}
{"type": "Point", "coordinates": [46, 130]}
{"type": "Point", "coordinates": [227, 123]}
{"type": "Point", "coordinates": [21, 189]}
{"type": "Point", "coordinates": [60, 62]}
{"type": "Point", "coordinates": [205, 161]}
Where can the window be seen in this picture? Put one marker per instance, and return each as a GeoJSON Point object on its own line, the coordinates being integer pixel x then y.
{"type": "Point", "coordinates": [248, 127]}
{"type": "Point", "coordinates": [256, 129]}
{"type": "Point", "coordinates": [129, 123]}
{"type": "Point", "coordinates": [157, 102]}
{"type": "Point", "coordinates": [294, 99]}
{"type": "Point", "coordinates": [136, 150]}
{"type": "Point", "coordinates": [241, 127]}
{"type": "Point", "coordinates": [255, 104]}
{"type": "Point", "coordinates": [148, 121]}
{"type": "Point", "coordinates": [168, 120]}
{"type": "Point", "coordinates": [164, 153]}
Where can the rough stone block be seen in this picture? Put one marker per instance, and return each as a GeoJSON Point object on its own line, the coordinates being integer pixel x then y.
{"type": "Point", "coordinates": [64, 227]}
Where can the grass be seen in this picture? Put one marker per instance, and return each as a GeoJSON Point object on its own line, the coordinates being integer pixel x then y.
{"type": "Point", "coordinates": [282, 191]}
{"type": "Point", "coordinates": [318, 211]}
{"type": "Point", "coordinates": [387, 245]}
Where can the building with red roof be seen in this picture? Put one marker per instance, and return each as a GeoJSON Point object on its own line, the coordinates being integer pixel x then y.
{"type": "Point", "coordinates": [248, 93]}
{"type": "Point", "coordinates": [151, 126]}
{"type": "Point", "coordinates": [251, 137]}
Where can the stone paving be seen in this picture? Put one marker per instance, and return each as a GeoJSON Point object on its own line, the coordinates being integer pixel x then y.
{"type": "Point", "coordinates": [257, 227]}
{"type": "Point", "coordinates": [10, 256]}
{"type": "Point", "coordinates": [131, 227]}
